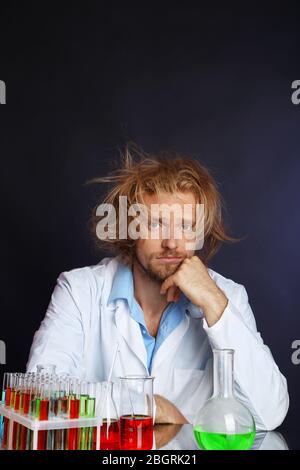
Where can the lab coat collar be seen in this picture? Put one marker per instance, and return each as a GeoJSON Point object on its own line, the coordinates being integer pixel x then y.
{"type": "Point", "coordinates": [130, 330]}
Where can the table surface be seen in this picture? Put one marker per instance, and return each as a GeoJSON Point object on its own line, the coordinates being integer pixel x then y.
{"type": "Point", "coordinates": [181, 437]}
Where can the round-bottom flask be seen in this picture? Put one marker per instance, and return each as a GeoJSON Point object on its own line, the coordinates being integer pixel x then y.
{"type": "Point", "coordinates": [223, 423]}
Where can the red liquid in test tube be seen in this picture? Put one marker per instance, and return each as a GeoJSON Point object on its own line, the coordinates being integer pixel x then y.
{"type": "Point", "coordinates": [7, 396]}
{"type": "Point", "coordinates": [17, 426]}
{"type": "Point", "coordinates": [42, 435]}
{"type": "Point", "coordinates": [26, 402]}
{"type": "Point", "coordinates": [25, 399]}
{"type": "Point", "coordinates": [72, 433]}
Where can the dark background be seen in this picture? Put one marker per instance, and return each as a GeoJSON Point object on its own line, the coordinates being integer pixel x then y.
{"type": "Point", "coordinates": [213, 82]}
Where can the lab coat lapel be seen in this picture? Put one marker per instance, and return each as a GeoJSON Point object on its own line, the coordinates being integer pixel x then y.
{"type": "Point", "coordinates": [170, 344]}
{"type": "Point", "coordinates": [130, 330]}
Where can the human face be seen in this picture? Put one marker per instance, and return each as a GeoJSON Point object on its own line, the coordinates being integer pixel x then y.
{"type": "Point", "coordinates": [160, 258]}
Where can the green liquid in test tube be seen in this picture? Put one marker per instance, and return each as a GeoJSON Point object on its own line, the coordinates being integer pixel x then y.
{"type": "Point", "coordinates": [83, 414]}
{"type": "Point", "coordinates": [82, 406]}
{"type": "Point", "coordinates": [90, 413]}
{"type": "Point", "coordinates": [87, 410]}
{"type": "Point", "coordinates": [37, 407]}
{"type": "Point", "coordinates": [91, 407]}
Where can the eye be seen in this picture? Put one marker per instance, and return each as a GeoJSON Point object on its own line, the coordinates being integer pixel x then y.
{"type": "Point", "coordinates": [187, 227]}
{"type": "Point", "coordinates": [154, 225]}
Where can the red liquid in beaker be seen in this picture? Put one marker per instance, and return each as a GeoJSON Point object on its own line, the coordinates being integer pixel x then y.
{"type": "Point", "coordinates": [109, 435]}
{"type": "Point", "coordinates": [136, 433]}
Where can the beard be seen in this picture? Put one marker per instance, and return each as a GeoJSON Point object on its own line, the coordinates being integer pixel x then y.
{"type": "Point", "coordinates": [155, 272]}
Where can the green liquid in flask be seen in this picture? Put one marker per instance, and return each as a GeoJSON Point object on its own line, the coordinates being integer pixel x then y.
{"type": "Point", "coordinates": [219, 441]}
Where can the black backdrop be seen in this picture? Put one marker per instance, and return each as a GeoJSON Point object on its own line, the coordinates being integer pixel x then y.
{"type": "Point", "coordinates": [211, 82]}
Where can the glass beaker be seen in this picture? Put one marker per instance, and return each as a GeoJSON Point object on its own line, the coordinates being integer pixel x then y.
{"type": "Point", "coordinates": [223, 423]}
{"type": "Point", "coordinates": [109, 434]}
{"type": "Point", "coordinates": [136, 412]}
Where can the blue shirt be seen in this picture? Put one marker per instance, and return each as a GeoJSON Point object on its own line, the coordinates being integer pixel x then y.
{"type": "Point", "coordinates": [123, 288]}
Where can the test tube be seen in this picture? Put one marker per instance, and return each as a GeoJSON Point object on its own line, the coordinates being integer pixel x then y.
{"type": "Point", "coordinates": [8, 379]}
{"type": "Point", "coordinates": [32, 389]}
{"type": "Point", "coordinates": [42, 411]}
{"type": "Point", "coordinates": [91, 412]}
{"type": "Point", "coordinates": [13, 389]}
{"type": "Point", "coordinates": [34, 384]}
{"type": "Point", "coordinates": [61, 409]}
{"type": "Point", "coordinates": [45, 395]}
{"type": "Point", "coordinates": [53, 408]}
{"type": "Point", "coordinates": [24, 409]}
{"type": "Point", "coordinates": [26, 394]}
{"type": "Point", "coordinates": [83, 432]}
{"type": "Point", "coordinates": [19, 384]}
{"type": "Point", "coordinates": [73, 408]}
{"type": "Point", "coordinates": [63, 397]}
{"type": "Point", "coordinates": [6, 387]}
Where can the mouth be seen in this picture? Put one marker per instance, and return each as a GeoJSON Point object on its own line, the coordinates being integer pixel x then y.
{"type": "Point", "coordinates": [170, 259]}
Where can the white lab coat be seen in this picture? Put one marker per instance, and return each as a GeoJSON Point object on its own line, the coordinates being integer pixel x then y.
{"type": "Point", "coordinates": [80, 333]}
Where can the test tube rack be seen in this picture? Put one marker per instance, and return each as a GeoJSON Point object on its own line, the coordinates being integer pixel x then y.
{"type": "Point", "coordinates": [54, 423]}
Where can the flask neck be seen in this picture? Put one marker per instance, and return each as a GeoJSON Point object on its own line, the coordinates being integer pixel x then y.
{"type": "Point", "coordinates": [223, 373]}
{"type": "Point", "coordinates": [109, 410]}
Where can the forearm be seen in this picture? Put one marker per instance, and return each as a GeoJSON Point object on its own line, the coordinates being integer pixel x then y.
{"type": "Point", "coordinates": [214, 307]}
{"type": "Point", "coordinates": [166, 412]}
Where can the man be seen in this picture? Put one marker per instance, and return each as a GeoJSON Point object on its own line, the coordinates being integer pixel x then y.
{"type": "Point", "coordinates": [159, 301]}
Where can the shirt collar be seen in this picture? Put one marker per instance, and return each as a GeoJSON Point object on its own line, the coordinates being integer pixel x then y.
{"type": "Point", "coordinates": [122, 285]}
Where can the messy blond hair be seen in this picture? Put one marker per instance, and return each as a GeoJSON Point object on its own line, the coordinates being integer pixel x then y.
{"type": "Point", "coordinates": [142, 173]}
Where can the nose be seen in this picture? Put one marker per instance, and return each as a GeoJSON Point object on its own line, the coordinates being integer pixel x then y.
{"type": "Point", "coordinates": [168, 237]}
{"type": "Point", "coordinates": [170, 243]}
